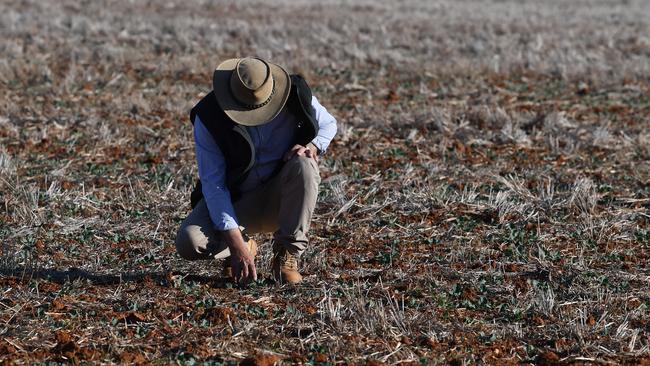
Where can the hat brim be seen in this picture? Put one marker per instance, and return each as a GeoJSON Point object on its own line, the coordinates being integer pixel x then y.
{"type": "Point", "coordinates": [240, 113]}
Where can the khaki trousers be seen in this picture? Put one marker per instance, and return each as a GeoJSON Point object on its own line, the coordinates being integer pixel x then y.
{"type": "Point", "coordinates": [284, 205]}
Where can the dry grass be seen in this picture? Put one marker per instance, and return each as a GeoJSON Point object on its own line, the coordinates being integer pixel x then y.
{"type": "Point", "coordinates": [485, 201]}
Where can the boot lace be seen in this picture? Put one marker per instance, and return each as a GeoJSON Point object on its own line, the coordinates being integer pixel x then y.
{"type": "Point", "coordinates": [290, 261]}
{"type": "Point", "coordinates": [287, 260]}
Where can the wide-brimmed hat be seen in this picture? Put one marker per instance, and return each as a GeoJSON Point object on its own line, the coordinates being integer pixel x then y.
{"type": "Point", "coordinates": [251, 91]}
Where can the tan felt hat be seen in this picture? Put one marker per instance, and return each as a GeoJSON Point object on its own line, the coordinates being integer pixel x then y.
{"type": "Point", "coordinates": [251, 91]}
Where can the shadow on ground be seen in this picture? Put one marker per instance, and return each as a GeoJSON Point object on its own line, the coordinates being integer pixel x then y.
{"type": "Point", "coordinates": [162, 278]}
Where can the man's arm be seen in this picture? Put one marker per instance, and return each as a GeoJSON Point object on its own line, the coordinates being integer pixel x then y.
{"type": "Point", "coordinates": [212, 172]}
{"type": "Point", "coordinates": [326, 126]}
{"type": "Point", "coordinates": [326, 131]}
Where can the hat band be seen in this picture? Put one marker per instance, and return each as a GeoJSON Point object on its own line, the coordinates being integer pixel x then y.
{"type": "Point", "coordinates": [255, 106]}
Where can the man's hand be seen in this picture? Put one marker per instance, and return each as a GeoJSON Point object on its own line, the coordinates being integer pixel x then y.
{"type": "Point", "coordinates": [243, 263]}
{"type": "Point", "coordinates": [309, 151]}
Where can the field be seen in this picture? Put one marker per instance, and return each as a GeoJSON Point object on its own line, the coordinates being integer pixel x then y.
{"type": "Point", "coordinates": [486, 199]}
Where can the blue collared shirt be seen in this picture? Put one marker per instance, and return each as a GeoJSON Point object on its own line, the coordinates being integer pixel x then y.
{"type": "Point", "coordinates": [271, 140]}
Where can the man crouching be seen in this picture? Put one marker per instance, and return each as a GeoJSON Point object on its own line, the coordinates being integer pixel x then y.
{"type": "Point", "coordinates": [258, 136]}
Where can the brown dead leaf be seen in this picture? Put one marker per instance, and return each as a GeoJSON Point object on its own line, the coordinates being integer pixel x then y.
{"type": "Point", "coordinates": [62, 337]}
{"type": "Point", "coordinates": [6, 348]}
{"type": "Point", "coordinates": [132, 358]}
{"type": "Point", "coordinates": [219, 315]}
{"type": "Point", "coordinates": [65, 346]}
{"type": "Point", "coordinates": [392, 96]}
{"type": "Point", "coordinates": [311, 310]}
{"type": "Point", "coordinates": [58, 304]}
{"type": "Point", "coordinates": [261, 360]}
{"type": "Point", "coordinates": [131, 317]}
{"type": "Point", "coordinates": [428, 342]}
{"type": "Point", "coordinates": [548, 358]}
{"type": "Point", "coordinates": [591, 320]}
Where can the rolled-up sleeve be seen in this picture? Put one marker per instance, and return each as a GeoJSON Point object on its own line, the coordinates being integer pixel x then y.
{"type": "Point", "coordinates": [212, 172]}
{"type": "Point", "coordinates": [326, 126]}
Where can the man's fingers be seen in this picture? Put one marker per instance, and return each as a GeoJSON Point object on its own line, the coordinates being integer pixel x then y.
{"type": "Point", "coordinates": [300, 151]}
{"type": "Point", "coordinates": [254, 272]}
{"type": "Point", "coordinates": [296, 150]}
{"type": "Point", "coordinates": [240, 273]}
{"type": "Point", "coordinates": [244, 270]}
{"type": "Point", "coordinates": [311, 154]}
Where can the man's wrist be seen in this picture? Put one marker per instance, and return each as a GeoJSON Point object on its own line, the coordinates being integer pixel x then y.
{"type": "Point", "coordinates": [313, 147]}
{"type": "Point", "coordinates": [234, 239]}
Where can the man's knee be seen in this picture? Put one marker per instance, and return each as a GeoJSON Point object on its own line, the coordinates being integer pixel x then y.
{"type": "Point", "coordinates": [188, 242]}
{"type": "Point", "coordinates": [302, 167]}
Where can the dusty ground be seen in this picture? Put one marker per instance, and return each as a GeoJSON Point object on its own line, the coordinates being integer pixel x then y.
{"type": "Point", "coordinates": [485, 201]}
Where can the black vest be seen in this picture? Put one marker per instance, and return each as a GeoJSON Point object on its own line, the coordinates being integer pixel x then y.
{"type": "Point", "coordinates": [235, 142]}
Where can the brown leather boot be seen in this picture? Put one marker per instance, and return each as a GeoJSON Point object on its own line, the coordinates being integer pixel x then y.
{"type": "Point", "coordinates": [285, 266]}
{"type": "Point", "coordinates": [227, 267]}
